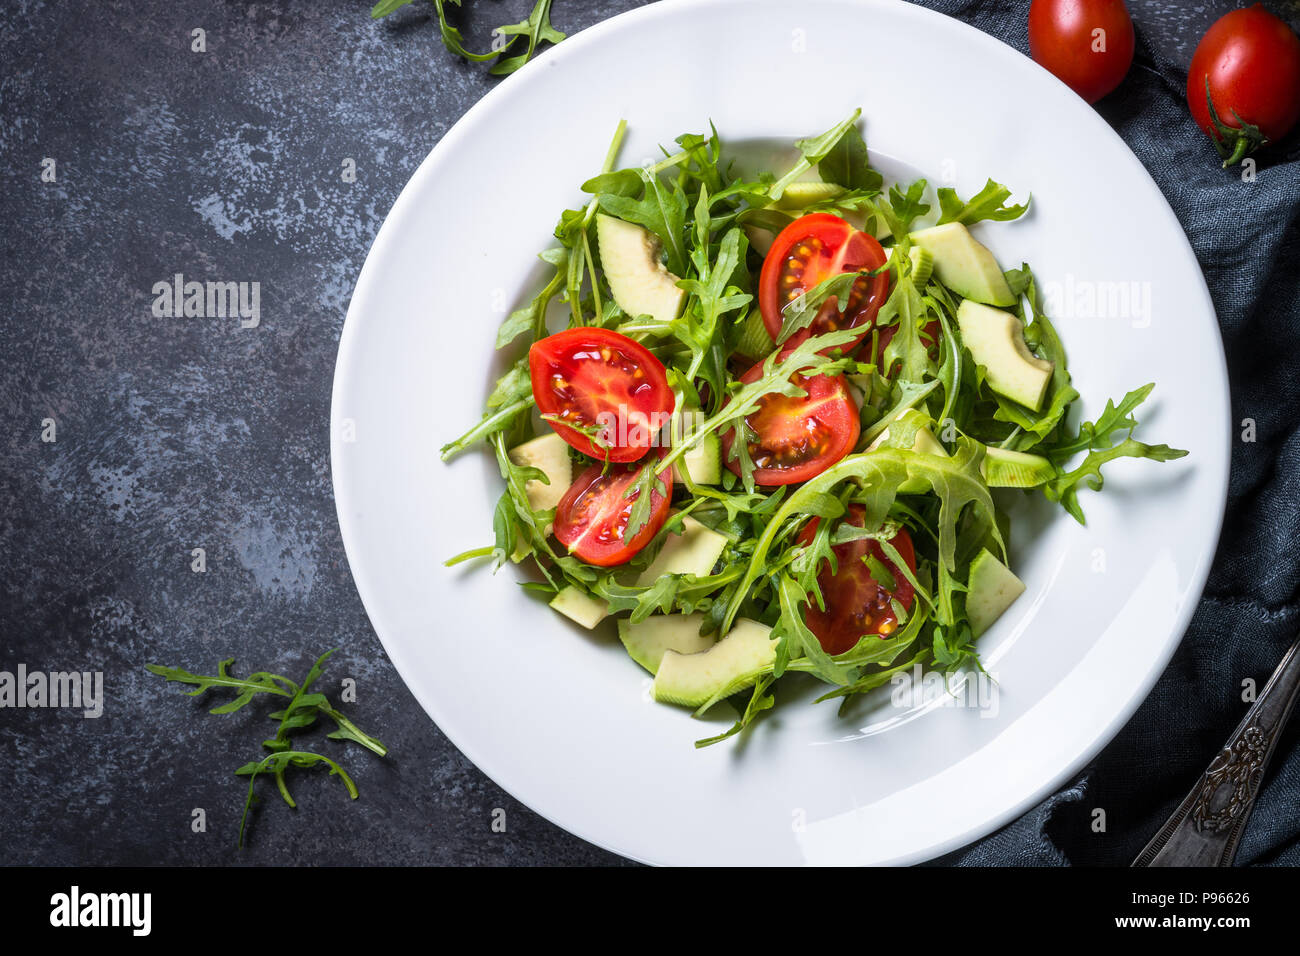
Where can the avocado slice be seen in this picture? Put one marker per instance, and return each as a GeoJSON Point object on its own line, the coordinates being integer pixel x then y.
{"type": "Point", "coordinates": [802, 194]}
{"type": "Point", "coordinates": [1015, 469]}
{"type": "Point", "coordinates": [550, 453]}
{"type": "Point", "coordinates": [641, 284]}
{"type": "Point", "coordinates": [695, 551]}
{"type": "Point", "coordinates": [580, 607]}
{"type": "Point", "coordinates": [996, 339]}
{"type": "Point", "coordinates": [647, 641]}
{"type": "Point", "coordinates": [702, 461]}
{"type": "Point", "coordinates": [964, 264]}
{"type": "Point", "coordinates": [730, 665]}
{"type": "Point", "coordinates": [992, 588]}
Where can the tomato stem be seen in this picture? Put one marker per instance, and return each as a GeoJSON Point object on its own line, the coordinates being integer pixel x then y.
{"type": "Point", "coordinates": [1240, 148]}
{"type": "Point", "coordinates": [1233, 142]}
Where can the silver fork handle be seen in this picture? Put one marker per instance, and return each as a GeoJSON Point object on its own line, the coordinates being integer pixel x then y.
{"type": "Point", "coordinates": [1207, 826]}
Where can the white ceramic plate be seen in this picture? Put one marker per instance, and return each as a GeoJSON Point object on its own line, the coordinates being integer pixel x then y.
{"type": "Point", "coordinates": [559, 717]}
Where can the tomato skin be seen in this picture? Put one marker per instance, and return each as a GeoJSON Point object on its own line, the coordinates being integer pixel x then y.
{"type": "Point", "coordinates": [826, 419]}
{"type": "Point", "coordinates": [835, 247]}
{"type": "Point", "coordinates": [1251, 60]}
{"type": "Point", "coordinates": [585, 374]}
{"type": "Point", "coordinates": [592, 517]}
{"type": "Point", "coordinates": [855, 603]}
{"type": "Point", "coordinates": [1061, 39]}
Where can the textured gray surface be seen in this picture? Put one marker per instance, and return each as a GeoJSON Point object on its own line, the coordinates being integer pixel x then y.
{"type": "Point", "coordinates": [175, 433]}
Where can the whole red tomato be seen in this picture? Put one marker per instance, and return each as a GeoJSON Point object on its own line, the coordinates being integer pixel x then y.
{"type": "Point", "coordinates": [1248, 66]}
{"type": "Point", "coordinates": [1088, 44]}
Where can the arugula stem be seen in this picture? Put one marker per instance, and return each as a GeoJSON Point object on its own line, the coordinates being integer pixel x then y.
{"type": "Point", "coordinates": [1012, 437]}
{"type": "Point", "coordinates": [492, 423]}
{"type": "Point", "coordinates": [470, 555]}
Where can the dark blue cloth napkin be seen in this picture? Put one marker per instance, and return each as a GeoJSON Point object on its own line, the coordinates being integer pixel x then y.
{"type": "Point", "coordinates": [1247, 238]}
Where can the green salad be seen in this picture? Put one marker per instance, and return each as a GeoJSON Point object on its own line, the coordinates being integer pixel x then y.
{"type": "Point", "coordinates": [769, 436]}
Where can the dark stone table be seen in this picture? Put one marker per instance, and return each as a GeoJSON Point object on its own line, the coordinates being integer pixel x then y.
{"type": "Point", "coordinates": [174, 434]}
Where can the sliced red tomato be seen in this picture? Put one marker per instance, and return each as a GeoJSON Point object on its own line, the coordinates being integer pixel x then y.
{"type": "Point", "coordinates": [792, 439]}
{"type": "Point", "coordinates": [597, 383]}
{"type": "Point", "coordinates": [809, 250]}
{"type": "Point", "coordinates": [591, 519]}
{"type": "Point", "coordinates": [857, 604]}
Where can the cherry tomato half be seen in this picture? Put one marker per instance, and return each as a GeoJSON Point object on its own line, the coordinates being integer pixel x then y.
{"type": "Point", "coordinates": [797, 438]}
{"type": "Point", "coordinates": [1088, 44]}
{"type": "Point", "coordinates": [809, 250]}
{"type": "Point", "coordinates": [604, 384]}
{"type": "Point", "coordinates": [856, 604]}
{"type": "Point", "coordinates": [1251, 61]}
{"type": "Point", "coordinates": [591, 519]}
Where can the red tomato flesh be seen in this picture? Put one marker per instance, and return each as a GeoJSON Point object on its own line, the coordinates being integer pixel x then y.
{"type": "Point", "coordinates": [797, 438]}
{"type": "Point", "coordinates": [601, 382]}
{"type": "Point", "coordinates": [591, 519]}
{"type": "Point", "coordinates": [856, 604]}
{"type": "Point", "coordinates": [809, 250]}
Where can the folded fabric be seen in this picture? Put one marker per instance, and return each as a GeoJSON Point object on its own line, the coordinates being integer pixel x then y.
{"type": "Point", "coordinates": [1246, 235]}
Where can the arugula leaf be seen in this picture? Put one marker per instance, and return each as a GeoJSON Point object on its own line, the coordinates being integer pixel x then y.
{"type": "Point", "coordinates": [1113, 417]}
{"type": "Point", "coordinates": [909, 395]}
{"type": "Point", "coordinates": [648, 483]}
{"type": "Point", "coordinates": [516, 385]}
{"type": "Point", "coordinates": [874, 679]}
{"type": "Point", "coordinates": [760, 699]}
{"type": "Point", "coordinates": [954, 648]}
{"type": "Point", "coordinates": [906, 348]}
{"type": "Point", "coordinates": [712, 294]}
{"type": "Point", "coordinates": [903, 207]}
{"type": "Point", "coordinates": [277, 764]}
{"type": "Point", "coordinates": [384, 7]}
{"type": "Point", "coordinates": [248, 687]}
{"type": "Point", "coordinates": [299, 714]}
{"type": "Point", "coordinates": [704, 154]}
{"type": "Point", "coordinates": [662, 210]}
{"type": "Point", "coordinates": [1065, 487]}
{"type": "Point", "coordinates": [795, 641]}
{"type": "Point", "coordinates": [537, 28]}
{"type": "Point", "coordinates": [847, 164]}
{"type": "Point", "coordinates": [812, 151]}
{"type": "Point", "coordinates": [800, 312]}
{"type": "Point", "coordinates": [451, 36]}
{"type": "Point", "coordinates": [347, 730]}
{"type": "Point", "coordinates": [988, 203]}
